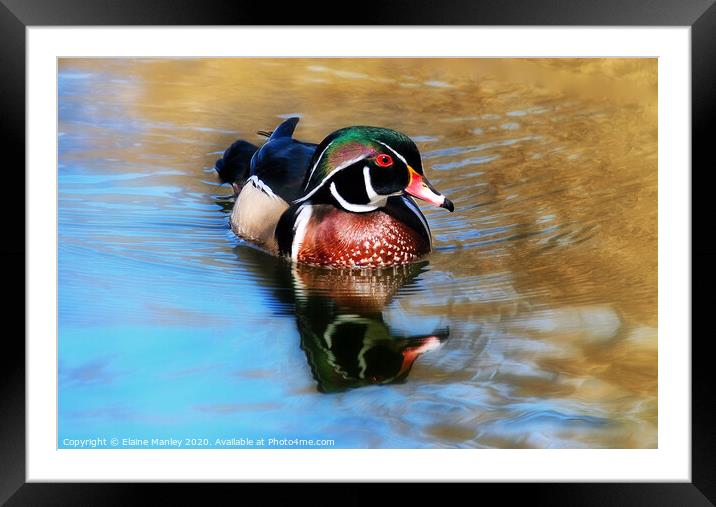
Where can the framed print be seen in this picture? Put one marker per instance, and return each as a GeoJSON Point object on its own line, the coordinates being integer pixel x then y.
{"type": "Point", "coordinates": [445, 252]}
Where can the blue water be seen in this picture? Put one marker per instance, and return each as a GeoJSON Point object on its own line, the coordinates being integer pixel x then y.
{"type": "Point", "coordinates": [172, 328]}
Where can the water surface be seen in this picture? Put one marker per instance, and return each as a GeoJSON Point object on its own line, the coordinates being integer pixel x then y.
{"type": "Point", "coordinates": [532, 324]}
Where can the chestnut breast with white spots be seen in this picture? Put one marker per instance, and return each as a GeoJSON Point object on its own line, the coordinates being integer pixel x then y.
{"type": "Point", "coordinates": [334, 237]}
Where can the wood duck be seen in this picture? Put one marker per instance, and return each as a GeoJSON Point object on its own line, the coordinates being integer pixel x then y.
{"type": "Point", "coordinates": [345, 202]}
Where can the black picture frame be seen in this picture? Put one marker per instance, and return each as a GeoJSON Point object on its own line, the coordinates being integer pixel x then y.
{"type": "Point", "coordinates": [16, 15]}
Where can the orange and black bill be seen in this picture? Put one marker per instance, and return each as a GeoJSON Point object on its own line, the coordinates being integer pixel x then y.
{"type": "Point", "coordinates": [420, 187]}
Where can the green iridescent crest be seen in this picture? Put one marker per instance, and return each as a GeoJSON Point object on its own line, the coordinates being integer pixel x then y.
{"type": "Point", "coordinates": [349, 145]}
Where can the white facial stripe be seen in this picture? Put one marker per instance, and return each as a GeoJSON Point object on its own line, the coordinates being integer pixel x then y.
{"type": "Point", "coordinates": [334, 171]}
{"type": "Point", "coordinates": [299, 227]}
{"type": "Point", "coordinates": [355, 208]}
{"type": "Point", "coordinates": [372, 194]}
{"type": "Point", "coordinates": [316, 164]}
{"type": "Point", "coordinates": [396, 153]}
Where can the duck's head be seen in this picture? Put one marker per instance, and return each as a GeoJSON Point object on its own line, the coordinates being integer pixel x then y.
{"type": "Point", "coordinates": [359, 168]}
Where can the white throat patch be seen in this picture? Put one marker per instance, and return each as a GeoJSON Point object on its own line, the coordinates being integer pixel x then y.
{"type": "Point", "coordinates": [356, 208]}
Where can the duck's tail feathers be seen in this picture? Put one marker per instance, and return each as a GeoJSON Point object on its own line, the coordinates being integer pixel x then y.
{"type": "Point", "coordinates": [235, 165]}
{"type": "Point", "coordinates": [285, 129]}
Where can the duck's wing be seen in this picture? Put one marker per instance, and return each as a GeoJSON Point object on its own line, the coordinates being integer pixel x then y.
{"type": "Point", "coordinates": [279, 166]}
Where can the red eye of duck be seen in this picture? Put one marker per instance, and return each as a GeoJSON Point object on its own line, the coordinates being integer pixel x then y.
{"type": "Point", "coordinates": [384, 160]}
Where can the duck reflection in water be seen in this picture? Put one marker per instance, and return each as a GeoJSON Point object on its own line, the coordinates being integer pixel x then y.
{"type": "Point", "coordinates": [343, 319]}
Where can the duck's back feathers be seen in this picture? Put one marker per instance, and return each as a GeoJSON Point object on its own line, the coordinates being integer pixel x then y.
{"type": "Point", "coordinates": [280, 165]}
{"type": "Point", "coordinates": [286, 128]}
{"type": "Point", "coordinates": [276, 171]}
